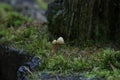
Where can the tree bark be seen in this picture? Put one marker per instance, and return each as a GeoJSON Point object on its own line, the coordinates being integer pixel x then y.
{"type": "Point", "coordinates": [82, 21]}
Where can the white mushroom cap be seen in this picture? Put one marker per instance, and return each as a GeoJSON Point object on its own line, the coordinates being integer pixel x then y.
{"type": "Point", "coordinates": [54, 42]}
{"type": "Point", "coordinates": [60, 40]}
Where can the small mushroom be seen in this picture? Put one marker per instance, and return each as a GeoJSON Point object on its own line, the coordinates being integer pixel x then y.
{"type": "Point", "coordinates": [54, 42]}
{"type": "Point", "coordinates": [60, 41]}
{"type": "Point", "coordinates": [57, 43]}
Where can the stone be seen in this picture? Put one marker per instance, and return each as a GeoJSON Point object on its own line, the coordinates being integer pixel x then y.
{"type": "Point", "coordinates": [12, 60]}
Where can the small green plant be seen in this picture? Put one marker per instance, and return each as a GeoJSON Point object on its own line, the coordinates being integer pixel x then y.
{"type": "Point", "coordinates": [78, 64]}
{"type": "Point", "coordinates": [58, 63]}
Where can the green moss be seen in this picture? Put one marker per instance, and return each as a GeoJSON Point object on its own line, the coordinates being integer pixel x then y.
{"type": "Point", "coordinates": [28, 38]}
{"type": "Point", "coordinates": [5, 7]}
{"type": "Point", "coordinates": [14, 19]}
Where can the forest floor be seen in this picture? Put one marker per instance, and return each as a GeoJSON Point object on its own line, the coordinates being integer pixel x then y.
{"type": "Point", "coordinates": [68, 62]}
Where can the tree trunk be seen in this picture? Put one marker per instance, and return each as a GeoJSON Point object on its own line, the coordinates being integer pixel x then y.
{"type": "Point", "coordinates": [85, 20]}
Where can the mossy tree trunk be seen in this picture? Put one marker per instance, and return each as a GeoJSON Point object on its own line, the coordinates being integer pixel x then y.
{"type": "Point", "coordinates": [85, 20]}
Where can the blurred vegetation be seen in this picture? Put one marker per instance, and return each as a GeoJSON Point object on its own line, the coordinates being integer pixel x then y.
{"type": "Point", "coordinates": [42, 4]}
{"type": "Point", "coordinates": [9, 18]}
{"type": "Point", "coordinates": [21, 33]}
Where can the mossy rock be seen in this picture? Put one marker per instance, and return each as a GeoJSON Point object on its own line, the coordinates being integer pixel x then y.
{"type": "Point", "coordinates": [5, 7]}
{"type": "Point", "coordinates": [14, 19]}
{"type": "Point", "coordinates": [9, 17]}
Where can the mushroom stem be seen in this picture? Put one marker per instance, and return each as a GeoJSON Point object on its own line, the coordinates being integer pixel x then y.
{"type": "Point", "coordinates": [55, 48]}
{"type": "Point", "coordinates": [56, 44]}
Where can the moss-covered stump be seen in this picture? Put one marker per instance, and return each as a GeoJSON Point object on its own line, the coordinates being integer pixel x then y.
{"type": "Point", "coordinates": [85, 20]}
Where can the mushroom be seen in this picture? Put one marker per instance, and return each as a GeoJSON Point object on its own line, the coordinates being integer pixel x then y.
{"type": "Point", "coordinates": [60, 41]}
{"type": "Point", "coordinates": [57, 43]}
{"type": "Point", "coordinates": [54, 42]}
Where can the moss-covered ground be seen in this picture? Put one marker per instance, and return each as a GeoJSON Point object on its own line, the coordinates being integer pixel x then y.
{"type": "Point", "coordinates": [25, 34]}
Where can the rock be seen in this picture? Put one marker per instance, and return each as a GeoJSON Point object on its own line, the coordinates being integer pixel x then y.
{"type": "Point", "coordinates": [11, 62]}
{"type": "Point", "coordinates": [28, 8]}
